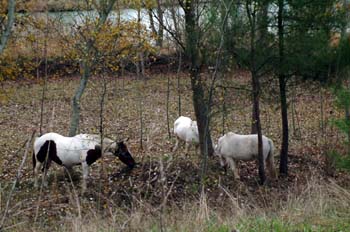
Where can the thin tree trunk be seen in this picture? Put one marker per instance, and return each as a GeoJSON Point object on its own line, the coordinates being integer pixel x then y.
{"type": "Point", "coordinates": [293, 113]}
{"type": "Point", "coordinates": [224, 109]}
{"type": "Point", "coordinates": [102, 103]}
{"type": "Point", "coordinates": [200, 108]}
{"type": "Point", "coordinates": [123, 78]}
{"type": "Point", "coordinates": [160, 33]}
{"type": "Point", "coordinates": [118, 10]}
{"type": "Point", "coordinates": [254, 128]}
{"type": "Point", "coordinates": [74, 126]}
{"type": "Point", "coordinates": [163, 181]}
{"type": "Point", "coordinates": [201, 113]}
{"type": "Point", "coordinates": [141, 117]}
{"type": "Point", "coordinates": [283, 94]}
{"type": "Point", "coordinates": [262, 21]}
{"type": "Point", "coordinates": [45, 74]}
{"type": "Point", "coordinates": [209, 142]}
{"type": "Point", "coordinates": [347, 120]}
{"type": "Point", "coordinates": [285, 133]}
{"type": "Point", "coordinates": [178, 82]}
{"type": "Point", "coordinates": [167, 106]}
{"type": "Point", "coordinates": [175, 17]}
{"type": "Point", "coordinates": [102, 171]}
{"type": "Point", "coordinates": [142, 64]}
{"type": "Point", "coordinates": [86, 65]}
{"type": "Point", "coordinates": [218, 63]}
{"type": "Point", "coordinates": [256, 90]}
{"type": "Point", "coordinates": [151, 22]}
{"type": "Point", "coordinates": [38, 62]}
{"type": "Point", "coordinates": [10, 20]}
{"type": "Point", "coordinates": [322, 112]}
{"type": "Point", "coordinates": [140, 68]}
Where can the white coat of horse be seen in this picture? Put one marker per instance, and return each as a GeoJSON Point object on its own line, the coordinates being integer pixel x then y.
{"type": "Point", "coordinates": [82, 149]}
{"type": "Point", "coordinates": [233, 147]}
{"type": "Point", "coordinates": [186, 130]}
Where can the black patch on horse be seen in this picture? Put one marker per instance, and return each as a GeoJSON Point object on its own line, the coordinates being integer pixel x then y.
{"type": "Point", "coordinates": [48, 153]}
{"type": "Point", "coordinates": [124, 155]}
{"type": "Point", "coordinates": [34, 161]}
{"type": "Point", "coordinates": [93, 155]}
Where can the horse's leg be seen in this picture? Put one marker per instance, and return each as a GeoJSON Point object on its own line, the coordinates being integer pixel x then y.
{"type": "Point", "coordinates": [70, 172]}
{"type": "Point", "coordinates": [85, 167]}
{"type": "Point", "coordinates": [223, 163]}
{"type": "Point", "coordinates": [270, 165]}
{"type": "Point", "coordinates": [176, 144]}
{"type": "Point", "coordinates": [187, 146]}
{"type": "Point", "coordinates": [36, 173]}
{"type": "Point", "coordinates": [45, 183]}
{"type": "Point", "coordinates": [233, 166]}
{"type": "Point", "coordinates": [221, 160]}
{"type": "Point", "coordinates": [197, 149]}
{"type": "Point", "coordinates": [46, 166]}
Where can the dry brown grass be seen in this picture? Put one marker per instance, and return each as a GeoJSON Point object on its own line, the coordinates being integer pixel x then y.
{"type": "Point", "coordinates": [131, 202]}
{"type": "Point", "coordinates": [319, 207]}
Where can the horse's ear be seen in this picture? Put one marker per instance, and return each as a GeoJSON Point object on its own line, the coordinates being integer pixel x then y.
{"type": "Point", "coordinates": [122, 140]}
{"type": "Point", "coordinates": [98, 148]}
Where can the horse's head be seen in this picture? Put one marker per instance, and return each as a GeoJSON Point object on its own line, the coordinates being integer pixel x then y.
{"type": "Point", "coordinates": [124, 155]}
{"type": "Point", "coordinates": [221, 159]}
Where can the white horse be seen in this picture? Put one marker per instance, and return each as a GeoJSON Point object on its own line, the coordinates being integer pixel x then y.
{"type": "Point", "coordinates": [233, 147]}
{"type": "Point", "coordinates": [82, 149]}
{"type": "Point", "coordinates": [186, 130]}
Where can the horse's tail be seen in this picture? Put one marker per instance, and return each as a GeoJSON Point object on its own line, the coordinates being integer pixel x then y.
{"type": "Point", "coordinates": [34, 161]}
{"type": "Point", "coordinates": [270, 160]}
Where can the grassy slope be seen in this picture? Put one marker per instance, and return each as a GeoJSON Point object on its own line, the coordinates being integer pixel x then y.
{"type": "Point", "coordinates": [306, 200]}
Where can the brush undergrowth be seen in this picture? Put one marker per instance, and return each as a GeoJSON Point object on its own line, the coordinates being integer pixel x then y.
{"type": "Point", "coordinates": [319, 207]}
{"type": "Point", "coordinates": [299, 205]}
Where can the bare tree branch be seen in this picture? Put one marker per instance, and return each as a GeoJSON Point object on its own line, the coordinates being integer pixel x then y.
{"type": "Point", "coordinates": [10, 20]}
{"type": "Point", "coordinates": [18, 176]}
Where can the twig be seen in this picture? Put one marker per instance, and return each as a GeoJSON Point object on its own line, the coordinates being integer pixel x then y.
{"type": "Point", "coordinates": [52, 119]}
{"type": "Point", "coordinates": [102, 171]}
{"type": "Point", "coordinates": [13, 226]}
{"type": "Point", "coordinates": [75, 194]}
{"type": "Point", "coordinates": [170, 190]}
{"type": "Point", "coordinates": [43, 93]}
{"type": "Point", "coordinates": [18, 176]}
{"type": "Point", "coordinates": [42, 182]}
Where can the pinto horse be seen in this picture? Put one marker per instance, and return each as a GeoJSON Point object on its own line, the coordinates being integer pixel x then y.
{"type": "Point", "coordinates": [82, 149]}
